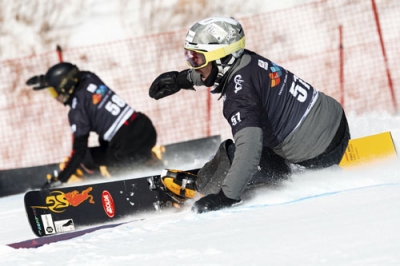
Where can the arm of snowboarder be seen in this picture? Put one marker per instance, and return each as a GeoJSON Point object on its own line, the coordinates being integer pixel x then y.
{"type": "Point", "coordinates": [78, 154]}
{"type": "Point", "coordinates": [171, 82]}
{"type": "Point", "coordinates": [79, 149]}
{"type": "Point", "coordinates": [37, 82]}
{"type": "Point", "coordinates": [248, 143]}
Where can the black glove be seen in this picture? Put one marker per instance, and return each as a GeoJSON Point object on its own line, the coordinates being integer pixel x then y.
{"type": "Point", "coordinates": [37, 82]}
{"type": "Point", "coordinates": [213, 202]}
{"type": "Point", "coordinates": [169, 83]}
{"type": "Point", "coordinates": [52, 182]}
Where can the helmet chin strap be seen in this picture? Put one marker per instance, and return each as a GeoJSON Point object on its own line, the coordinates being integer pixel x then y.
{"type": "Point", "coordinates": [222, 70]}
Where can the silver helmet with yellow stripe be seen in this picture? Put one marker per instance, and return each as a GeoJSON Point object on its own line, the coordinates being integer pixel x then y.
{"type": "Point", "coordinates": [214, 39]}
{"type": "Point", "coordinates": [217, 37]}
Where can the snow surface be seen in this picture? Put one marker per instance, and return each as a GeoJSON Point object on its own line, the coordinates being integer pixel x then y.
{"type": "Point", "coordinates": [327, 217]}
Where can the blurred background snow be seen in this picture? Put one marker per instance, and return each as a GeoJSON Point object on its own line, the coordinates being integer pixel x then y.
{"type": "Point", "coordinates": [30, 27]}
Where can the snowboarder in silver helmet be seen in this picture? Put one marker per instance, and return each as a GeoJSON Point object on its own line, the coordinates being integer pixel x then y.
{"type": "Point", "coordinates": [277, 119]}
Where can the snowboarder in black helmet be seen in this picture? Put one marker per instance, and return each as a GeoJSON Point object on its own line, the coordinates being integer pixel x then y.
{"type": "Point", "coordinates": [126, 136]}
{"type": "Point", "coordinates": [277, 118]}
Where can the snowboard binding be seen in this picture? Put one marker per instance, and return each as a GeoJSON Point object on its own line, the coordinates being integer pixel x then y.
{"type": "Point", "coordinates": [178, 186]}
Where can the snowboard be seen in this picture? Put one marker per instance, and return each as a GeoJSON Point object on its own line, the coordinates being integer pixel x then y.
{"type": "Point", "coordinates": [62, 210]}
{"type": "Point", "coordinates": [372, 148]}
{"type": "Point", "coordinates": [67, 209]}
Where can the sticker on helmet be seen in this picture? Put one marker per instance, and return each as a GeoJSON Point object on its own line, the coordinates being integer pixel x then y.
{"type": "Point", "coordinates": [190, 35]}
{"type": "Point", "coordinates": [216, 31]}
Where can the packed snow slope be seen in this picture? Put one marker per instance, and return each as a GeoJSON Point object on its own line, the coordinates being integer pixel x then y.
{"type": "Point", "coordinates": [330, 217]}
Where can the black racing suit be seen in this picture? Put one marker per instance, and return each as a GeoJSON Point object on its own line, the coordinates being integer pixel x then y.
{"type": "Point", "coordinates": [126, 136]}
{"type": "Point", "coordinates": [276, 117]}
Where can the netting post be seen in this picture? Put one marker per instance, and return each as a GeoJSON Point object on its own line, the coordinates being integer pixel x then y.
{"type": "Point", "coordinates": [341, 65]}
{"type": "Point", "coordinates": [59, 53]}
{"type": "Point", "coordinates": [208, 130]}
{"type": "Point", "coordinates": [378, 27]}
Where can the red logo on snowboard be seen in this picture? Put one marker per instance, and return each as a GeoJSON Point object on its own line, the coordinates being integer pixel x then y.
{"type": "Point", "coordinates": [108, 203]}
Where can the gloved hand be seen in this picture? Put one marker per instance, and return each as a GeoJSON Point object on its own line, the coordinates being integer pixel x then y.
{"type": "Point", "coordinates": [37, 82]}
{"type": "Point", "coordinates": [52, 182]}
{"type": "Point", "coordinates": [213, 202]}
{"type": "Point", "coordinates": [169, 83]}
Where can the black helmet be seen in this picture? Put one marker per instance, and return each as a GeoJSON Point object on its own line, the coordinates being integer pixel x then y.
{"type": "Point", "coordinates": [63, 77]}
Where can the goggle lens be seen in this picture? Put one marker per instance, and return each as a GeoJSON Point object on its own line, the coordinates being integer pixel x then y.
{"type": "Point", "coordinates": [195, 59]}
{"type": "Point", "coordinates": [52, 91]}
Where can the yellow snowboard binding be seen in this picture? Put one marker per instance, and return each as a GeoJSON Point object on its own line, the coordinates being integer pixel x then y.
{"type": "Point", "coordinates": [179, 185]}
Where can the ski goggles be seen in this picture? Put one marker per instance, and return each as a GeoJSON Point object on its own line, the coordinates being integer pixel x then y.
{"type": "Point", "coordinates": [52, 92]}
{"type": "Point", "coordinates": [198, 59]}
